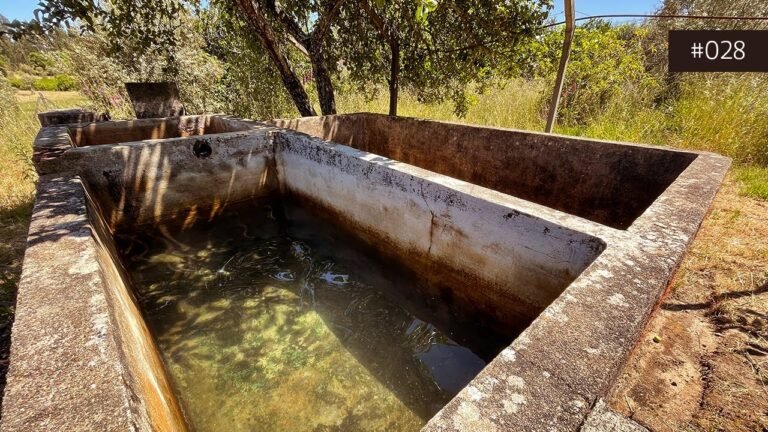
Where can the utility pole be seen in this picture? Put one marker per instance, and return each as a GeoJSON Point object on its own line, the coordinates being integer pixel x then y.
{"type": "Point", "coordinates": [570, 26]}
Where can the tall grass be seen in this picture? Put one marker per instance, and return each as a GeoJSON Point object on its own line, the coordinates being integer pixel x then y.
{"type": "Point", "coordinates": [515, 105]}
{"type": "Point", "coordinates": [18, 127]}
{"type": "Point", "coordinates": [724, 114]}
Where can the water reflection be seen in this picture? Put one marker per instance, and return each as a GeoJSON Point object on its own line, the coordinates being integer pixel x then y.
{"type": "Point", "coordinates": [285, 323]}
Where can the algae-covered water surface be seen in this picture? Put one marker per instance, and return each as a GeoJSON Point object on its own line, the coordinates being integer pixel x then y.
{"type": "Point", "coordinates": [271, 319]}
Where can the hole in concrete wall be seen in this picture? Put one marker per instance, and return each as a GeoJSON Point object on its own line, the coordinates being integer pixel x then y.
{"type": "Point", "coordinates": [202, 149]}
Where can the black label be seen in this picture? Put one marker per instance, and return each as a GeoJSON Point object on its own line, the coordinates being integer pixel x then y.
{"type": "Point", "coordinates": [718, 50]}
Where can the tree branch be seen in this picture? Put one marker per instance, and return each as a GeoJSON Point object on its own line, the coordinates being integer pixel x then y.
{"type": "Point", "coordinates": [261, 27]}
{"type": "Point", "coordinates": [325, 20]}
{"type": "Point", "coordinates": [377, 21]}
{"type": "Point", "coordinates": [293, 28]}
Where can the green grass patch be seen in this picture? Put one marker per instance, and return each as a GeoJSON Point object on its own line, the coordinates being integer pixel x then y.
{"type": "Point", "coordinates": [753, 180]}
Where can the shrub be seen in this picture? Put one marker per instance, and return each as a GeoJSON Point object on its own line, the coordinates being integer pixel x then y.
{"type": "Point", "coordinates": [21, 82]}
{"type": "Point", "coordinates": [605, 61]}
{"type": "Point", "coordinates": [40, 61]}
{"type": "Point", "coordinates": [65, 82]}
{"type": "Point", "coordinates": [45, 84]}
{"type": "Point", "coordinates": [56, 83]}
{"type": "Point", "coordinates": [16, 82]}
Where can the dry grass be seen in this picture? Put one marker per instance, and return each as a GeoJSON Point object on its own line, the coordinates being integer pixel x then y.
{"type": "Point", "coordinates": [513, 106]}
{"type": "Point", "coordinates": [18, 126]}
{"type": "Point", "coordinates": [722, 116]}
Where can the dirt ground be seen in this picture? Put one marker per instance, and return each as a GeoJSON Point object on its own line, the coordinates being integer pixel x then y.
{"type": "Point", "coordinates": [702, 362]}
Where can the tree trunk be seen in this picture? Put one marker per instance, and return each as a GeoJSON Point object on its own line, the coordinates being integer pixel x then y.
{"type": "Point", "coordinates": [322, 76]}
{"type": "Point", "coordinates": [394, 77]}
{"type": "Point", "coordinates": [263, 30]}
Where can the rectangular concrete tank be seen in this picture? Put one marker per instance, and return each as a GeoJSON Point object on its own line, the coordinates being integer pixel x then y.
{"type": "Point", "coordinates": [572, 239]}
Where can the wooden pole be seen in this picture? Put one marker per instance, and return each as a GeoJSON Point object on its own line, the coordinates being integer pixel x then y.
{"type": "Point", "coordinates": [570, 26]}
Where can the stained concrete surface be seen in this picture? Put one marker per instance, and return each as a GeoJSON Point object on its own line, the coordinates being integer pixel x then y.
{"type": "Point", "coordinates": [155, 99]}
{"type": "Point", "coordinates": [614, 268]}
{"type": "Point", "coordinates": [605, 182]}
{"type": "Point", "coordinates": [65, 372]}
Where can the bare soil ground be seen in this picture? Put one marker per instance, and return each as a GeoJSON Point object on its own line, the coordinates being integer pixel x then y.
{"type": "Point", "coordinates": [702, 362]}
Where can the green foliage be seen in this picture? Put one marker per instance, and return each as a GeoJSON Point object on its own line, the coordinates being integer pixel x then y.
{"type": "Point", "coordinates": [21, 83]}
{"type": "Point", "coordinates": [40, 61]}
{"type": "Point", "coordinates": [754, 180]}
{"type": "Point", "coordinates": [99, 76]}
{"type": "Point", "coordinates": [45, 84]}
{"type": "Point", "coordinates": [448, 49]}
{"type": "Point", "coordinates": [249, 86]}
{"type": "Point", "coordinates": [606, 62]}
{"type": "Point", "coordinates": [61, 82]}
{"type": "Point", "coordinates": [65, 82]}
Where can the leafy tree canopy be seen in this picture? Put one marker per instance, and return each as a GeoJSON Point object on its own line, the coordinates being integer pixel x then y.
{"type": "Point", "coordinates": [434, 48]}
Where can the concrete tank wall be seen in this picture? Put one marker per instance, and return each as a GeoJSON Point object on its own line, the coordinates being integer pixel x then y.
{"type": "Point", "coordinates": [82, 358]}
{"type": "Point", "coordinates": [113, 132]}
{"type": "Point", "coordinates": [605, 182]}
{"type": "Point", "coordinates": [177, 178]}
{"type": "Point", "coordinates": [507, 264]}
{"type": "Point", "coordinates": [508, 252]}
{"type": "Point", "coordinates": [154, 400]}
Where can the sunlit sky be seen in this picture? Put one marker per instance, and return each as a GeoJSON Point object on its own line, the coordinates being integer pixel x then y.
{"type": "Point", "coordinates": [23, 9]}
{"type": "Point", "coordinates": [606, 7]}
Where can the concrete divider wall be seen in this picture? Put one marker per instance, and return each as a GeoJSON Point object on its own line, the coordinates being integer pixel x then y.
{"type": "Point", "coordinates": [176, 178]}
{"type": "Point", "coordinates": [98, 133]}
{"type": "Point", "coordinates": [507, 264]}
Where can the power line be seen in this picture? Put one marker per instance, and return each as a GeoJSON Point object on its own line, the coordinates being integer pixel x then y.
{"type": "Point", "coordinates": [506, 38]}
{"type": "Point", "coordinates": [710, 17]}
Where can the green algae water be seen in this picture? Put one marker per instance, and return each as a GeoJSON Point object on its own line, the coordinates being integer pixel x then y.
{"type": "Point", "coordinates": [270, 319]}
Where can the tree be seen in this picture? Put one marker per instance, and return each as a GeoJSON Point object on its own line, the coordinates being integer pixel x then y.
{"type": "Point", "coordinates": [437, 49]}
{"type": "Point", "coordinates": [434, 48]}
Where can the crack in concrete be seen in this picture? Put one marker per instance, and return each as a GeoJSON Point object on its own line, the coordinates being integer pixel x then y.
{"type": "Point", "coordinates": [431, 220]}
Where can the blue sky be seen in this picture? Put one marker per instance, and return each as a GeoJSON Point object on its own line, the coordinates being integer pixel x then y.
{"type": "Point", "coordinates": [18, 9]}
{"type": "Point", "coordinates": [606, 7]}
{"type": "Point", "coordinates": [22, 9]}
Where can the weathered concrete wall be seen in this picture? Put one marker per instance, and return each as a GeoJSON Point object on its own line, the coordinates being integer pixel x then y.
{"type": "Point", "coordinates": [113, 132]}
{"type": "Point", "coordinates": [152, 395]}
{"type": "Point", "coordinates": [65, 116]}
{"type": "Point", "coordinates": [596, 274]}
{"type": "Point", "coordinates": [508, 264]}
{"type": "Point", "coordinates": [181, 178]}
{"type": "Point", "coordinates": [605, 182]}
{"type": "Point", "coordinates": [73, 331]}
{"type": "Point", "coordinates": [155, 99]}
